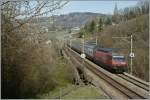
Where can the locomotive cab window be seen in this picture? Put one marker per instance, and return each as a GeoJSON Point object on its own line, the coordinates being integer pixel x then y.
{"type": "Point", "coordinates": [120, 59]}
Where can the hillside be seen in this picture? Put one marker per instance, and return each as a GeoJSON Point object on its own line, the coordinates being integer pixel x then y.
{"type": "Point", "coordinates": [76, 19]}
{"type": "Point", "coordinates": [138, 27]}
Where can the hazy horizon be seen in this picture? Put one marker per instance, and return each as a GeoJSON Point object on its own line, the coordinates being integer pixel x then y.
{"type": "Point", "coordinates": [103, 7]}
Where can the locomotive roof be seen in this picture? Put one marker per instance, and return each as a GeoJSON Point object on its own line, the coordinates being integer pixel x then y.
{"type": "Point", "coordinates": [90, 45]}
{"type": "Point", "coordinates": [105, 49]}
{"type": "Point", "coordinates": [116, 55]}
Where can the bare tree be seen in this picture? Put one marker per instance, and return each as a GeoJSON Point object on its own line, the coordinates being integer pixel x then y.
{"type": "Point", "coordinates": [29, 9]}
{"type": "Point", "coordinates": [24, 50]}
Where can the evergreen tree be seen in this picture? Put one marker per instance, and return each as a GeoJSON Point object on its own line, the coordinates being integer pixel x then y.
{"type": "Point", "coordinates": [86, 27]}
{"type": "Point", "coordinates": [92, 26]}
{"type": "Point", "coordinates": [108, 21]}
{"type": "Point", "coordinates": [100, 25]}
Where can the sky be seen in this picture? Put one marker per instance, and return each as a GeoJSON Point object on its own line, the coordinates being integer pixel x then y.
{"type": "Point", "coordinates": [105, 7]}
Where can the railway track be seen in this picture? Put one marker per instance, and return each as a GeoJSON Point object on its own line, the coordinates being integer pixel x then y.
{"type": "Point", "coordinates": [135, 81]}
{"type": "Point", "coordinates": [133, 89]}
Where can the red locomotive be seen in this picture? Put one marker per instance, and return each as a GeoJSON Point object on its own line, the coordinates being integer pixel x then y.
{"type": "Point", "coordinates": [110, 60]}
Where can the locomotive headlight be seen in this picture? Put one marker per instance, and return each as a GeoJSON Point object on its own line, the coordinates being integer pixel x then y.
{"type": "Point", "coordinates": [123, 63]}
{"type": "Point", "coordinates": [114, 62]}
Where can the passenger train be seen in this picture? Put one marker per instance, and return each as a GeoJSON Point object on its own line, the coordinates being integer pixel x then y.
{"type": "Point", "coordinates": [105, 57]}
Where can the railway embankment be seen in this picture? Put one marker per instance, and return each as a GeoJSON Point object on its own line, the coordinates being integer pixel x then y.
{"type": "Point", "coordinates": [114, 86]}
{"type": "Point", "coordinates": [138, 27]}
{"type": "Point", "coordinates": [66, 89]}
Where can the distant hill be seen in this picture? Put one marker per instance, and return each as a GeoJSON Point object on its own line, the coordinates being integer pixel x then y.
{"type": "Point", "coordinates": [76, 19]}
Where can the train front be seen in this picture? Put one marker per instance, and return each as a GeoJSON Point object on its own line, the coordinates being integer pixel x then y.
{"type": "Point", "coordinates": [119, 63]}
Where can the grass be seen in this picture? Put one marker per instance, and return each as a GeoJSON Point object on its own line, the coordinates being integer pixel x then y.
{"type": "Point", "coordinates": [85, 92]}
{"type": "Point", "coordinates": [56, 92]}
{"type": "Point", "coordinates": [74, 92]}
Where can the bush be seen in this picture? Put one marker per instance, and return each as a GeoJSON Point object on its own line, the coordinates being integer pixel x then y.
{"type": "Point", "coordinates": [29, 65]}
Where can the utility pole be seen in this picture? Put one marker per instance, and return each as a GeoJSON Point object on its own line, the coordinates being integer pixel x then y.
{"type": "Point", "coordinates": [82, 54]}
{"type": "Point", "coordinates": [70, 40]}
{"type": "Point", "coordinates": [83, 44]}
{"type": "Point", "coordinates": [83, 57]}
{"type": "Point", "coordinates": [96, 38]}
{"type": "Point", "coordinates": [131, 51]}
{"type": "Point", "coordinates": [96, 34]}
{"type": "Point", "coordinates": [131, 54]}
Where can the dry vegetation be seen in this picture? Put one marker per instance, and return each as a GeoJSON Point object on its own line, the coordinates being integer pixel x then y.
{"type": "Point", "coordinates": [29, 65]}
{"type": "Point", "coordinates": [124, 23]}
{"type": "Point", "coordinates": [138, 27]}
